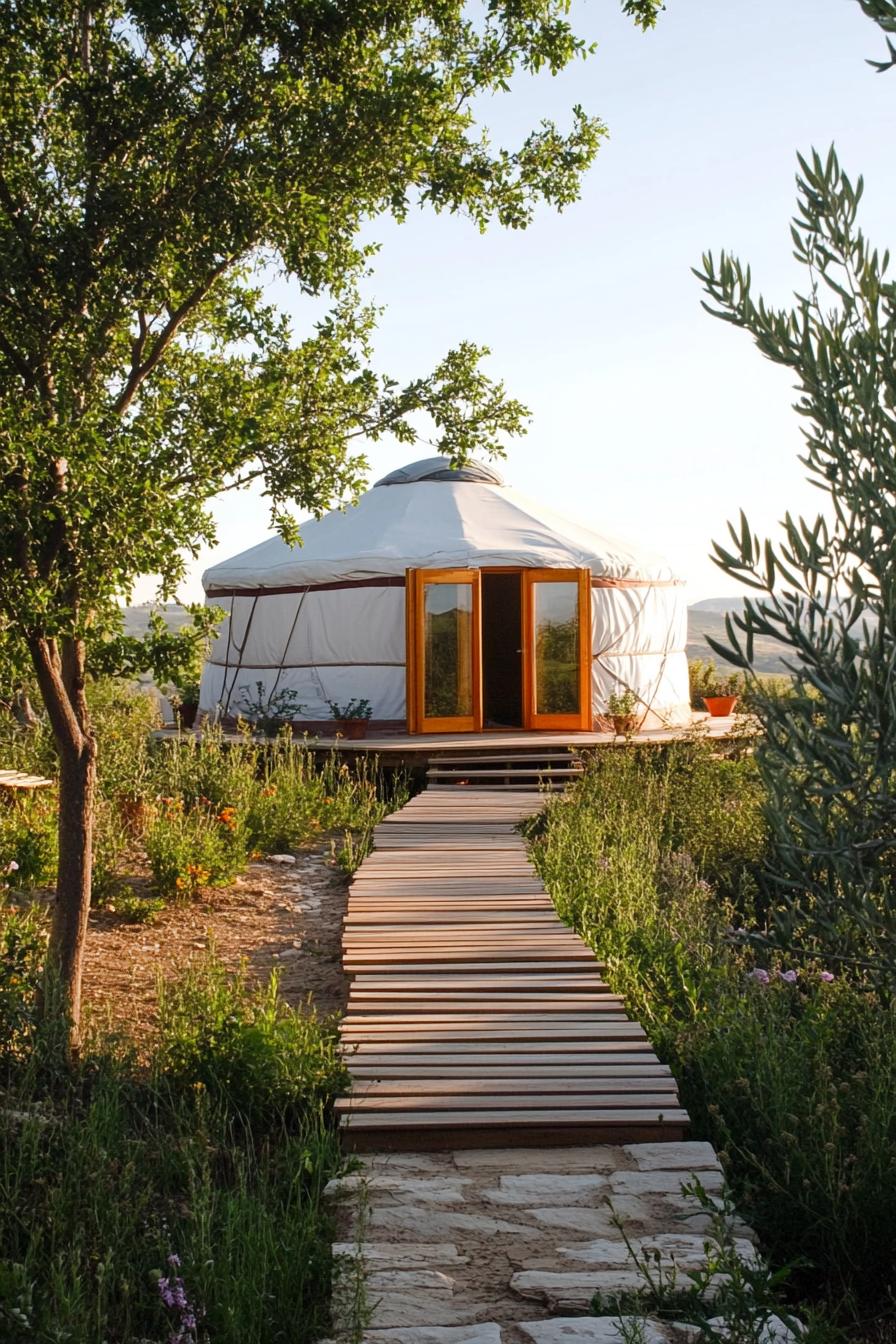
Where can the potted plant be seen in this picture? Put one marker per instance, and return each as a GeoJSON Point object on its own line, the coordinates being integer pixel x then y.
{"type": "Point", "coordinates": [184, 697]}
{"type": "Point", "coordinates": [351, 720]}
{"type": "Point", "coordinates": [268, 713]}
{"type": "Point", "coordinates": [720, 695]}
{"type": "Point", "coordinates": [622, 709]}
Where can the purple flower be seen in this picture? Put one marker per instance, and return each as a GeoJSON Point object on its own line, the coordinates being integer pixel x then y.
{"type": "Point", "coordinates": [788, 976]}
{"type": "Point", "coordinates": [826, 977]}
{"type": "Point", "coordinates": [174, 1261]}
{"type": "Point", "coordinates": [759, 975]}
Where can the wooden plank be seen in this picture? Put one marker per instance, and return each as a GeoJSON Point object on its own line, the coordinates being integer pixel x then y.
{"type": "Point", "coordinates": [591, 1115]}
{"type": "Point", "coordinates": [476, 1016]}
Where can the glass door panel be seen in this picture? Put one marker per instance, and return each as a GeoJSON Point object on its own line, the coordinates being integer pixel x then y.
{"type": "Point", "coordinates": [558, 638]}
{"type": "Point", "coordinates": [446, 623]}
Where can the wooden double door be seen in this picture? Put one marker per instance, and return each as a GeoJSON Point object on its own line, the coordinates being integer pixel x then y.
{"type": "Point", "coordinates": [498, 648]}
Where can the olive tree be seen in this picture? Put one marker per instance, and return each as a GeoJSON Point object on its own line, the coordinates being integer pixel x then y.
{"type": "Point", "coordinates": [826, 588]}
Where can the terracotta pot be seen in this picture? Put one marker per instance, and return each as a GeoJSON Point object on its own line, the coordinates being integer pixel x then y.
{"type": "Point", "coordinates": [186, 715]}
{"type": "Point", "coordinates": [720, 706]}
{"type": "Point", "coordinates": [352, 728]}
{"type": "Point", "coordinates": [625, 724]}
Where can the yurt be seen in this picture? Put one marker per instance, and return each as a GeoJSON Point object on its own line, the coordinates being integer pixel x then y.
{"type": "Point", "coordinates": [450, 603]}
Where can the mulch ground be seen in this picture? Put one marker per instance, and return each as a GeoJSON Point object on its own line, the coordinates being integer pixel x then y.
{"type": "Point", "coordinates": [283, 915]}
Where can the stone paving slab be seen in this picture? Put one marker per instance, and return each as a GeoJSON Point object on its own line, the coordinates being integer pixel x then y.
{"type": "Point", "coordinates": [509, 1240]}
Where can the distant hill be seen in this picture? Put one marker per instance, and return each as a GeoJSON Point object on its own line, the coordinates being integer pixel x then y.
{"type": "Point", "coordinates": [708, 618]}
{"type": "Point", "coordinates": [136, 619]}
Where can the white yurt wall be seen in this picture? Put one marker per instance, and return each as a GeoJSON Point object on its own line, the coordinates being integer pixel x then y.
{"type": "Point", "coordinates": [327, 620]}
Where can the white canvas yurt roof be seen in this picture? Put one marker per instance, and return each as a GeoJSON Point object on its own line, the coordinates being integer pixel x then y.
{"type": "Point", "coordinates": [428, 516]}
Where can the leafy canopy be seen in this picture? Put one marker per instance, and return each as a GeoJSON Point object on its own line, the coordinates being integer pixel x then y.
{"type": "Point", "coordinates": [158, 158]}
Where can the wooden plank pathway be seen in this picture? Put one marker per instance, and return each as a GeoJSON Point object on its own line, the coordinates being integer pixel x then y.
{"type": "Point", "coordinates": [475, 1017]}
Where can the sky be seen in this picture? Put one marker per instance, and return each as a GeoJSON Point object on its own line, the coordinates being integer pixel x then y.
{"type": "Point", "coordinates": [651, 420]}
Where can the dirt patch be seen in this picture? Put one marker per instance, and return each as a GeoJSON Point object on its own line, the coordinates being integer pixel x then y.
{"type": "Point", "coordinates": [284, 915]}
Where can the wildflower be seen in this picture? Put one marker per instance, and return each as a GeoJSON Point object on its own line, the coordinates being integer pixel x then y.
{"type": "Point", "coordinates": [270, 791]}
{"type": "Point", "coordinates": [759, 975]}
{"type": "Point", "coordinates": [12, 866]}
{"type": "Point", "coordinates": [789, 977]}
{"type": "Point", "coordinates": [826, 977]}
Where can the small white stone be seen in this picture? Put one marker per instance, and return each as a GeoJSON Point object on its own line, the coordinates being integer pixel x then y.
{"type": "Point", "coordinates": [589, 1330]}
{"type": "Point", "coordinates": [281, 858]}
{"type": "Point", "coordinates": [688, 1251]}
{"type": "Point", "coordinates": [546, 1188]}
{"type": "Point", "coordinates": [673, 1156]}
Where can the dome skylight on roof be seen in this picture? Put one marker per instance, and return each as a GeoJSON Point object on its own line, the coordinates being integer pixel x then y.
{"type": "Point", "coordinates": [440, 469]}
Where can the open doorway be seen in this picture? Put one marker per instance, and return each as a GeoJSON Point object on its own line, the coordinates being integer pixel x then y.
{"type": "Point", "coordinates": [502, 650]}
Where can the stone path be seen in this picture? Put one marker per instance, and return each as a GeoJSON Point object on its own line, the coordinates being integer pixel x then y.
{"type": "Point", "coordinates": [505, 1246]}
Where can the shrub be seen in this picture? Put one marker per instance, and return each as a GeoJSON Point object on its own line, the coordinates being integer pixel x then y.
{"type": "Point", "coordinates": [23, 940]}
{"type": "Point", "coordinates": [653, 857]}
{"type": "Point", "coordinates": [245, 1045]}
{"type": "Point", "coordinates": [28, 839]}
{"type": "Point", "coordinates": [190, 849]}
{"type": "Point", "coordinates": [109, 1169]}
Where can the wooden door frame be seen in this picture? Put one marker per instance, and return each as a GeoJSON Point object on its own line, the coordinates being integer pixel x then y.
{"type": "Point", "coordinates": [415, 580]}
{"type": "Point", "coordinates": [581, 722]}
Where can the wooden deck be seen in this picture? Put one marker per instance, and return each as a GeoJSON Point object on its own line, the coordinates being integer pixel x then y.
{"type": "Point", "coordinates": [421, 748]}
{"type": "Point", "coordinates": [475, 1017]}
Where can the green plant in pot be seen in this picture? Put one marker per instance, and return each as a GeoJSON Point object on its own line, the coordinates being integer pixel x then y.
{"type": "Point", "coordinates": [623, 710]}
{"type": "Point", "coordinates": [351, 720]}
{"type": "Point", "coordinates": [268, 713]}
{"type": "Point", "coordinates": [184, 697]}
{"type": "Point", "coordinates": [720, 694]}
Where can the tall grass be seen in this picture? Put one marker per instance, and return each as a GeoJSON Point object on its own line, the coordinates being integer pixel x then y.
{"type": "Point", "coordinates": [216, 1153]}
{"type": "Point", "coordinates": [655, 859]}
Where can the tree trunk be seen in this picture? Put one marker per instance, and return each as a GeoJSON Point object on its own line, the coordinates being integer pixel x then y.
{"type": "Point", "coordinates": [68, 936]}
{"type": "Point", "coordinates": [60, 675]}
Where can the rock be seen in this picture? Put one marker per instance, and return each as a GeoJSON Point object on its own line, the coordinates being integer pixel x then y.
{"type": "Point", "coordinates": [522, 1161]}
{"type": "Point", "coordinates": [389, 1164]}
{"type": "Point", "coordinates": [464, 1334]}
{"type": "Point", "coordinates": [685, 1249]}
{"type": "Point", "coordinates": [591, 1330]}
{"type": "Point", "coordinates": [673, 1156]}
{"type": "Point", "coordinates": [281, 858]}
{"type": "Point", "coordinates": [661, 1182]}
{"type": "Point", "coordinates": [597, 1222]}
{"type": "Point", "coordinates": [438, 1190]}
{"type": "Point", "coordinates": [547, 1188]}
{"type": "Point", "coordinates": [421, 1306]}
{"type": "Point", "coordinates": [572, 1291]}
{"type": "Point", "coordinates": [433, 1222]}
{"type": "Point", "coordinates": [773, 1331]}
{"type": "Point", "coordinates": [401, 1254]}
{"type": "Point", "coordinates": [387, 1280]}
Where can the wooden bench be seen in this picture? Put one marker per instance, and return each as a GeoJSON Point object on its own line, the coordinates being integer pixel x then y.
{"type": "Point", "coordinates": [17, 779]}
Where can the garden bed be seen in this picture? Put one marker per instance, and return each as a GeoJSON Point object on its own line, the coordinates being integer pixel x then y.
{"type": "Point", "coordinates": [276, 916]}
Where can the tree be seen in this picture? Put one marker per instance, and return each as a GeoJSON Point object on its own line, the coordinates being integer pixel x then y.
{"type": "Point", "coordinates": [827, 589]}
{"type": "Point", "coordinates": [154, 159]}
